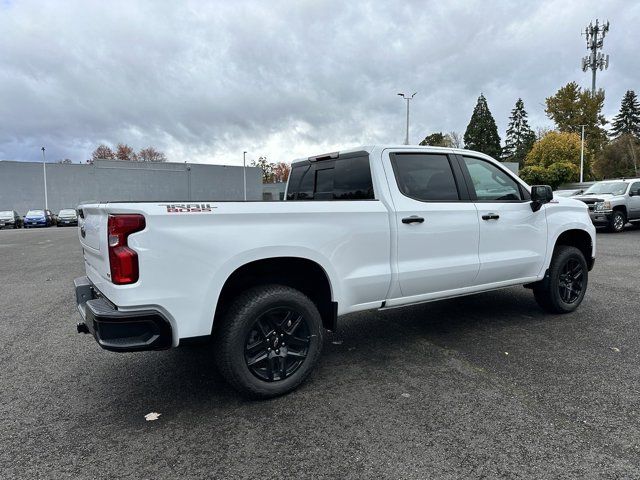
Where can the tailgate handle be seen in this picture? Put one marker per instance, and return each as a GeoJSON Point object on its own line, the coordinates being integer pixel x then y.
{"type": "Point", "coordinates": [413, 219]}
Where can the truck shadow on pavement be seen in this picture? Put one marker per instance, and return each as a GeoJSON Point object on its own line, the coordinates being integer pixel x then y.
{"type": "Point", "coordinates": [366, 345]}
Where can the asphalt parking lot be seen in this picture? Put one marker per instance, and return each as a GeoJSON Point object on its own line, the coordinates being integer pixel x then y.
{"type": "Point", "coordinates": [487, 386]}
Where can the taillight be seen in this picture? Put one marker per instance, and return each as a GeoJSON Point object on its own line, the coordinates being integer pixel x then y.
{"type": "Point", "coordinates": [123, 260]}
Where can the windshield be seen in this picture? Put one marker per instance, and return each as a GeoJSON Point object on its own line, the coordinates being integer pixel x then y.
{"type": "Point", "coordinates": [67, 212]}
{"type": "Point", "coordinates": [614, 188]}
{"type": "Point", "coordinates": [566, 193]}
{"type": "Point", "coordinates": [6, 214]}
{"type": "Point", "coordinates": [35, 213]}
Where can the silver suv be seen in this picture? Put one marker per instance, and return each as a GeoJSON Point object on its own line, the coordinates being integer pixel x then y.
{"type": "Point", "coordinates": [613, 203]}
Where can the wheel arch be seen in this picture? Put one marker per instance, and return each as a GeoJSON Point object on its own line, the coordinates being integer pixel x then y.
{"type": "Point", "coordinates": [300, 273]}
{"type": "Point", "coordinates": [621, 208]}
{"type": "Point", "coordinates": [580, 239]}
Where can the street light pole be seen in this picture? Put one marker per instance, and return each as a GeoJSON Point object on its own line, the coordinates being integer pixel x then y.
{"type": "Point", "coordinates": [44, 171]}
{"type": "Point", "coordinates": [407, 98]}
{"type": "Point", "coordinates": [244, 173]}
{"type": "Point", "coordinates": [582, 154]}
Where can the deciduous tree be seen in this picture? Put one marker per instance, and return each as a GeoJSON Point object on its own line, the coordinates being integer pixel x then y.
{"type": "Point", "coordinates": [150, 154]}
{"type": "Point", "coordinates": [103, 152]}
{"type": "Point", "coordinates": [554, 160]}
{"type": "Point", "coordinates": [437, 139]}
{"type": "Point", "coordinates": [620, 158]}
{"type": "Point", "coordinates": [572, 107]}
{"type": "Point", "coordinates": [266, 167]}
{"type": "Point", "coordinates": [456, 139]}
{"type": "Point", "coordinates": [281, 172]}
{"type": "Point", "coordinates": [126, 153]}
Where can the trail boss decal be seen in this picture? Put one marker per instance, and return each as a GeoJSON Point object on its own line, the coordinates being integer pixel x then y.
{"type": "Point", "coordinates": [187, 207]}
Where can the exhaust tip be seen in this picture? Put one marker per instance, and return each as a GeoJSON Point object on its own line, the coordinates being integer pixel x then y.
{"type": "Point", "coordinates": [82, 327]}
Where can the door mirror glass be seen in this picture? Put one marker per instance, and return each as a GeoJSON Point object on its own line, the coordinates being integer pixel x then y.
{"type": "Point", "coordinates": [540, 194]}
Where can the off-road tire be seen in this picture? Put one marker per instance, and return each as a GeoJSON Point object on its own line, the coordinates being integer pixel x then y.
{"type": "Point", "coordinates": [236, 324]}
{"type": "Point", "coordinates": [547, 291]}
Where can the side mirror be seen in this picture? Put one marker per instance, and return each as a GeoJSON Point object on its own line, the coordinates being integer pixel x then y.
{"type": "Point", "coordinates": [634, 193]}
{"type": "Point", "coordinates": [540, 194]}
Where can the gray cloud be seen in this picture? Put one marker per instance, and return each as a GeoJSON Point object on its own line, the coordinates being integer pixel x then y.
{"type": "Point", "coordinates": [205, 81]}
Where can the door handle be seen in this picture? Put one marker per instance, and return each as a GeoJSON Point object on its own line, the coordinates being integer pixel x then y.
{"type": "Point", "coordinates": [491, 216]}
{"type": "Point", "coordinates": [413, 219]}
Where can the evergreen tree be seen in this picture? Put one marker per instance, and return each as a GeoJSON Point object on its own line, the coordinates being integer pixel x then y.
{"type": "Point", "coordinates": [520, 138]}
{"type": "Point", "coordinates": [628, 120]}
{"type": "Point", "coordinates": [482, 133]}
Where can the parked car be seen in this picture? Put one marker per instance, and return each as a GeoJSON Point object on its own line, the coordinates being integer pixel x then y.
{"type": "Point", "coordinates": [67, 217]}
{"type": "Point", "coordinates": [38, 218]}
{"type": "Point", "coordinates": [10, 219]}
{"type": "Point", "coordinates": [568, 193]}
{"type": "Point", "coordinates": [613, 203]}
{"type": "Point", "coordinates": [367, 229]}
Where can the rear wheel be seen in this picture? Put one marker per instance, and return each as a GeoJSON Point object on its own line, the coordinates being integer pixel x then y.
{"type": "Point", "coordinates": [617, 222]}
{"type": "Point", "coordinates": [269, 341]}
{"type": "Point", "coordinates": [564, 288]}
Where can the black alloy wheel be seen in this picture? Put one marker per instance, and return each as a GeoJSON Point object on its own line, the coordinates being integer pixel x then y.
{"type": "Point", "coordinates": [277, 344]}
{"type": "Point", "coordinates": [268, 340]}
{"type": "Point", "coordinates": [571, 281]}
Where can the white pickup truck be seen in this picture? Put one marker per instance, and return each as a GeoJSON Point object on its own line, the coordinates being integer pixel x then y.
{"type": "Point", "coordinates": [369, 228]}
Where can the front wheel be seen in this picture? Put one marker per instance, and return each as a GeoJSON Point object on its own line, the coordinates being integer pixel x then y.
{"type": "Point", "coordinates": [269, 340]}
{"type": "Point", "coordinates": [617, 222]}
{"type": "Point", "coordinates": [564, 288]}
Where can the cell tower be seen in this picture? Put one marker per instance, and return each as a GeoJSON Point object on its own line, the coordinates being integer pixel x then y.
{"type": "Point", "coordinates": [595, 60]}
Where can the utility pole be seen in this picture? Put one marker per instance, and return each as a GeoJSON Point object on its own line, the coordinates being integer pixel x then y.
{"type": "Point", "coordinates": [244, 173]}
{"type": "Point", "coordinates": [407, 98]}
{"type": "Point", "coordinates": [44, 171]}
{"type": "Point", "coordinates": [595, 60]}
{"type": "Point", "coordinates": [582, 155]}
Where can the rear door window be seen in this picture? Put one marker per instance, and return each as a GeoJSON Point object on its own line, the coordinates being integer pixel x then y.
{"type": "Point", "coordinates": [427, 177]}
{"type": "Point", "coordinates": [347, 178]}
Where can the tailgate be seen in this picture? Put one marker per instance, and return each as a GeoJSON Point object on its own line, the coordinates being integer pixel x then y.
{"type": "Point", "coordinates": [92, 232]}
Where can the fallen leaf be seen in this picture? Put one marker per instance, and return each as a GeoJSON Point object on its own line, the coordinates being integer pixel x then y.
{"type": "Point", "coordinates": [149, 417]}
{"type": "Point", "coordinates": [615, 349]}
{"type": "Point", "coordinates": [405, 395]}
{"type": "Point", "coordinates": [506, 353]}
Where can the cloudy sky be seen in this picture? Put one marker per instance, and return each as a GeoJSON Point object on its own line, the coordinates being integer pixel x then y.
{"type": "Point", "coordinates": [204, 81]}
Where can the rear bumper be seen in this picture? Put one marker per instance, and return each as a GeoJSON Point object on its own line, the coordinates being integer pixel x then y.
{"type": "Point", "coordinates": [117, 330]}
{"type": "Point", "coordinates": [600, 219]}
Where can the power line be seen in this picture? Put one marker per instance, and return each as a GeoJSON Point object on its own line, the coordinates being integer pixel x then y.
{"type": "Point", "coordinates": [595, 60]}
